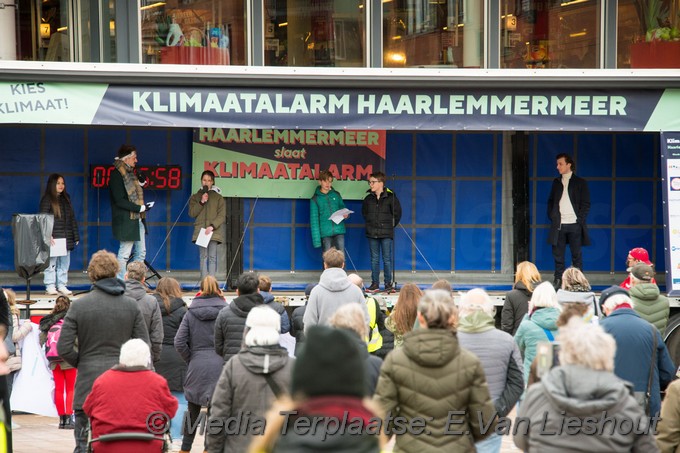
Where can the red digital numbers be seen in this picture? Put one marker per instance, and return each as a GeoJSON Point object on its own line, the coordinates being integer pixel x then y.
{"type": "Point", "coordinates": [161, 177]}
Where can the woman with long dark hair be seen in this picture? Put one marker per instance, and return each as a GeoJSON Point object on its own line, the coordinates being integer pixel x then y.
{"type": "Point", "coordinates": [63, 373]}
{"type": "Point", "coordinates": [56, 201]}
{"type": "Point", "coordinates": [208, 207]}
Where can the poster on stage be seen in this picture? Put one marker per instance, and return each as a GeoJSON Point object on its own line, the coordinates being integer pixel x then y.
{"type": "Point", "coordinates": [285, 163]}
{"type": "Point", "coordinates": [670, 167]}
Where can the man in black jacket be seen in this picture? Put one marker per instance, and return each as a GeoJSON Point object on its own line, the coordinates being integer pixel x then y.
{"type": "Point", "coordinates": [568, 207]}
{"type": "Point", "coordinates": [382, 212]}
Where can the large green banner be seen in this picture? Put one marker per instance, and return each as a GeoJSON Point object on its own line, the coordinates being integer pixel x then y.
{"type": "Point", "coordinates": [285, 163]}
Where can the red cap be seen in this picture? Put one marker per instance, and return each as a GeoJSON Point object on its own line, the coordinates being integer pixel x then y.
{"type": "Point", "coordinates": [641, 255]}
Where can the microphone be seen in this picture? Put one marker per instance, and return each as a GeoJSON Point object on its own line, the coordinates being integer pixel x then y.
{"type": "Point", "coordinates": [204, 189]}
{"type": "Point", "coordinates": [141, 176]}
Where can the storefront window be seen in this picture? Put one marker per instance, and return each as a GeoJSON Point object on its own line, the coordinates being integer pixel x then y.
{"type": "Point", "coordinates": [447, 33]}
{"type": "Point", "coordinates": [550, 33]}
{"type": "Point", "coordinates": [43, 31]}
{"type": "Point", "coordinates": [199, 32]}
{"type": "Point", "coordinates": [314, 33]}
{"type": "Point", "coordinates": [648, 34]}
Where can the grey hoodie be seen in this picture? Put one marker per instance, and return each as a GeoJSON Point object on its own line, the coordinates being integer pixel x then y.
{"type": "Point", "coordinates": [333, 291]}
{"type": "Point", "coordinates": [573, 392]}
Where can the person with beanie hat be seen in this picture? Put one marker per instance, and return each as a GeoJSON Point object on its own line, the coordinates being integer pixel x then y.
{"type": "Point", "coordinates": [430, 376]}
{"type": "Point", "coordinates": [648, 302]}
{"type": "Point", "coordinates": [250, 381]}
{"type": "Point", "coordinates": [328, 381]}
{"type": "Point", "coordinates": [607, 293]}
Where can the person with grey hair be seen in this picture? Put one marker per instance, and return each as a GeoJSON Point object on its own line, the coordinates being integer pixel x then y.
{"type": "Point", "coordinates": [351, 318]}
{"type": "Point", "coordinates": [498, 353]}
{"type": "Point", "coordinates": [135, 287]}
{"type": "Point", "coordinates": [539, 324]}
{"type": "Point", "coordinates": [582, 392]}
{"type": "Point", "coordinates": [123, 397]}
{"type": "Point", "coordinates": [250, 380]}
{"type": "Point", "coordinates": [635, 347]}
{"type": "Point", "coordinates": [648, 302]}
{"type": "Point", "coordinates": [430, 375]}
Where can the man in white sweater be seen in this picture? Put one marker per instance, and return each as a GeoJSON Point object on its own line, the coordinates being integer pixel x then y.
{"type": "Point", "coordinates": [568, 207]}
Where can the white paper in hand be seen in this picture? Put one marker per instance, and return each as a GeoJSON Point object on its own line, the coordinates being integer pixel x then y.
{"type": "Point", "coordinates": [203, 239]}
{"type": "Point", "coordinates": [339, 215]}
{"type": "Point", "coordinates": [59, 248]}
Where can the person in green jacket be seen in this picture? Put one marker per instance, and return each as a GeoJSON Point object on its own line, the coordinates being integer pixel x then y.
{"type": "Point", "coordinates": [326, 200]}
{"type": "Point", "coordinates": [648, 302]}
{"type": "Point", "coordinates": [209, 209]}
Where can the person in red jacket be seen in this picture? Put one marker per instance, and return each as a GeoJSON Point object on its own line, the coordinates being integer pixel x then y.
{"type": "Point", "coordinates": [636, 255]}
{"type": "Point", "coordinates": [130, 398]}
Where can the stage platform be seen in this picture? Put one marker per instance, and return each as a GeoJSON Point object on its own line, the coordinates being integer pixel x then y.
{"type": "Point", "coordinates": [292, 284]}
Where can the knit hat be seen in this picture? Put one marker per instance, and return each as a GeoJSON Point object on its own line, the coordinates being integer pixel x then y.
{"type": "Point", "coordinates": [264, 326]}
{"type": "Point", "coordinates": [309, 288]}
{"type": "Point", "coordinates": [640, 254]}
{"type": "Point", "coordinates": [643, 272]}
{"type": "Point", "coordinates": [607, 293]}
{"type": "Point", "coordinates": [329, 363]}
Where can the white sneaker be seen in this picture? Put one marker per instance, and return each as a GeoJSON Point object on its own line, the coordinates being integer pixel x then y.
{"type": "Point", "coordinates": [65, 291]}
{"type": "Point", "coordinates": [51, 291]}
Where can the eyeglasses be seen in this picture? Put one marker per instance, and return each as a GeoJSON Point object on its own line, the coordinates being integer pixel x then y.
{"type": "Point", "coordinates": [372, 181]}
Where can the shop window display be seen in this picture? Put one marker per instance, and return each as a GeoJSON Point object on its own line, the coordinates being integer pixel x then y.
{"type": "Point", "coordinates": [198, 32]}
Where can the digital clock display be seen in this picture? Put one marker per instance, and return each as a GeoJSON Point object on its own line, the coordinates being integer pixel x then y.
{"type": "Point", "coordinates": [159, 177]}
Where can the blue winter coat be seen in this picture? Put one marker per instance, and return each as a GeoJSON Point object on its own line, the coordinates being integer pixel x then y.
{"type": "Point", "coordinates": [632, 362]}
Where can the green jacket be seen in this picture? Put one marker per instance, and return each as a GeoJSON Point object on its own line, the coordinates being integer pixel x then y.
{"type": "Point", "coordinates": [650, 304]}
{"type": "Point", "coordinates": [321, 206]}
{"type": "Point", "coordinates": [214, 213]}
{"type": "Point", "coordinates": [124, 228]}
{"type": "Point", "coordinates": [429, 377]}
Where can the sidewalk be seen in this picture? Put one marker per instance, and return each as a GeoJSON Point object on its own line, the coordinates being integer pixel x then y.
{"type": "Point", "coordinates": [38, 433]}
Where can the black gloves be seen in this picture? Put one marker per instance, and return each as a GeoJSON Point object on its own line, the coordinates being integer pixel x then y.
{"type": "Point", "coordinates": [148, 205]}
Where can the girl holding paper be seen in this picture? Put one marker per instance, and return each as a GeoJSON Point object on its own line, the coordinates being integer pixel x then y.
{"type": "Point", "coordinates": [57, 202]}
{"type": "Point", "coordinates": [207, 206]}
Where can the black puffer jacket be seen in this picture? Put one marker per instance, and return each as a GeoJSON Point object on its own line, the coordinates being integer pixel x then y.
{"type": "Point", "coordinates": [66, 225]}
{"type": "Point", "coordinates": [171, 365]}
{"type": "Point", "coordinates": [382, 214]}
{"type": "Point", "coordinates": [297, 326]}
{"type": "Point", "coordinates": [231, 322]}
{"type": "Point", "coordinates": [516, 305]}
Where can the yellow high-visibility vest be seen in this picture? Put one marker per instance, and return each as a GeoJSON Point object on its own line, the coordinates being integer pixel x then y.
{"type": "Point", "coordinates": [375, 340]}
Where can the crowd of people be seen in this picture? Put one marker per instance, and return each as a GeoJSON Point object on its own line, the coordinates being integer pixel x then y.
{"type": "Point", "coordinates": [432, 373]}
{"type": "Point", "coordinates": [435, 373]}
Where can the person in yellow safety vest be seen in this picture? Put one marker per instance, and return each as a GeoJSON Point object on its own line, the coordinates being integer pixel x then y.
{"type": "Point", "coordinates": [374, 340]}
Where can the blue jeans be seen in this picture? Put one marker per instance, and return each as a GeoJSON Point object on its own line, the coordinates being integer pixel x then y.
{"type": "Point", "coordinates": [491, 444]}
{"type": "Point", "coordinates": [337, 241]}
{"type": "Point", "coordinates": [176, 422]}
{"type": "Point", "coordinates": [56, 273]}
{"type": "Point", "coordinates": [208, 259]}
{"type": "Point", "coordinates": [376, 245]}
{"type": "Point", "coordinates": [126, 248]}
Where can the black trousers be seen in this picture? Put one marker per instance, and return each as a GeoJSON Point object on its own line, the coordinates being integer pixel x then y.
{"type": "Point", "coordinates": [571, 234]}
{"type": "Point", "coordinates": [188, 435]}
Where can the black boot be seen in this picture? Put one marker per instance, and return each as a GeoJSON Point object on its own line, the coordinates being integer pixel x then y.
{"type": "Point", "coordinates": [557, 284]}
{"type": "Point", "coordinates": [62, 421]}
{"type": "Point", "coordinates": [69, 423]}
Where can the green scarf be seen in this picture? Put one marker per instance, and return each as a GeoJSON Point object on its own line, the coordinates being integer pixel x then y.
{"type": "Point", "coordinates": [477, 321]}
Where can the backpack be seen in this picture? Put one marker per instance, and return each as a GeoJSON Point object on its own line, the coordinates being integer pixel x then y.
{"type": "Point", "coordinates": [52, 340]}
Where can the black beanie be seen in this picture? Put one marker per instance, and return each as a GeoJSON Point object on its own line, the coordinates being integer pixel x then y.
{"type": "Point", "coordinates": [329, 363]}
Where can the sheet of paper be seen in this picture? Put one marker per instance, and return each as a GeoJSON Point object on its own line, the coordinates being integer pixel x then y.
{"type": "Point", "coordinates": [59, 248]}
{"type": "Point", "coordinates": [203, 239]}
{"type": "Point", "coordinates": [339, 215]}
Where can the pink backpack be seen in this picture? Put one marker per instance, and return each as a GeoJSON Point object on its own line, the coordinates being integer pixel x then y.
{"type": "Point", "coordinates": [52, 340]}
